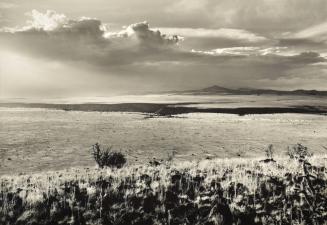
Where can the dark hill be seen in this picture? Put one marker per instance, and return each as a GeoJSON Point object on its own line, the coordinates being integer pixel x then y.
{"type": "Point", "coordinates": [252, 91]}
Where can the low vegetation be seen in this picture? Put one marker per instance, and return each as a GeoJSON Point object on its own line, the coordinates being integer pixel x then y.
{"type": "Point", "coordinates": [107, 157]}
{"type": "Point", "coordinates": [290, 190]}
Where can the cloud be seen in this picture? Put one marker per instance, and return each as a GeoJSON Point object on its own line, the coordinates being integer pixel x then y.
{"type": "Point", "coordinates": [54, 35]}
{"type": "Point", "coordinates": [308, 58]}
{"type": "Point", "coordinates": [7, 5]}
{"type": "Point", "coordinates": [258, 71]}
{"type": "Point", "coordinates": [141, 56]}
{"type": "Point", "coordinates": [258, 15]}
{"type": "Point", "coordinates": [48, 21]}
{"type": "Point", "coordinates": [203, 38]}
{"type": "Point", "coordinates": [313, 38]}
{"type": "Point", "coordinates": [244, 51]}
{"type": "Point", "coordinates": [227, 33]}
{"type": "Point", "coordinates": [317, 33]}
{"type": "Point", "coordinates": [145, 35]}
{"type": "Point", "coordinates": [273, 55]}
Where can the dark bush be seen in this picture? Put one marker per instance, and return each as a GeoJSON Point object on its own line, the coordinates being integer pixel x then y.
{"type": "Point", "coordinates": [107, 157]}
{"type": "Point", "coordinates": [269, 151]}
{"type": "Point", "coordinates": [299, 152]}
{"type": "Point", "coordinates": [269, 154]}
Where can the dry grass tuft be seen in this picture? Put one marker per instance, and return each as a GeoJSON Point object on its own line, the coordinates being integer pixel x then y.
{"type": "Point", "coordinates": [216, 191]}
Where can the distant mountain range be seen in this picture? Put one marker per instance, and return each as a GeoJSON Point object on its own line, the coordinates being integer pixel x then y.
{"type": "Point", "coordinates": [251, 91]}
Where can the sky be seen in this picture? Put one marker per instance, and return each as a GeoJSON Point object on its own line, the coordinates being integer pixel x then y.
{"type": "Point", "coordinates": [69, 48]}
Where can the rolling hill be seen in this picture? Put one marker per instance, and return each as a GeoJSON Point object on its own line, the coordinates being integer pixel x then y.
{"type": "Point", "coordinates": [215, 89]}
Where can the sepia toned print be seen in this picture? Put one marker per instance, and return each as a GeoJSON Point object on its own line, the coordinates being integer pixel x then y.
{"type": "Point", "coordinates": [163, 112]}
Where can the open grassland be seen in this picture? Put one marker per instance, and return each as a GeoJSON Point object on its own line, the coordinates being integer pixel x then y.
{"type": "Point", "coordinates": [173, 104]}
{"type": "Point", "coordinates": [210, 101]}
{"type": "Point", "coordinates": [216, 191]}
{"type": "Point", "coordinates": [47, 173]}
{"type": "Point", "coordinates": [40, 139]}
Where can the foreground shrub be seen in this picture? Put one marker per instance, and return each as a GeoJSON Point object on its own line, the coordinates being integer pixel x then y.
{"type": "Point", "coordinates": [107, 157]}
{"type": "Point", "coordinates": [299, 152]}
{"type": "Point", "coordinates": [269, 152]}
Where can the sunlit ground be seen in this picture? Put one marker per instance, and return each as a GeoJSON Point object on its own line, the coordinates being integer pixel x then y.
{"type": "Point", "coordinates": [41, 139]}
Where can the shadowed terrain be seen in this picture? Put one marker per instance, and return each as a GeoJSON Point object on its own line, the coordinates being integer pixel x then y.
{"type": "Point", "coordinates": [169, 109]}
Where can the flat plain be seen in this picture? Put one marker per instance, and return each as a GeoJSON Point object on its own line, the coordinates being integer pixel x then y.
{"type": "Point", "coordinates": [213, 169]}
{"type": "Point", "coordinates": [34, 139]}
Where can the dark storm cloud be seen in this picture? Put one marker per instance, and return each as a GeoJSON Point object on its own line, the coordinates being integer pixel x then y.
{"type": "Point", "coordinates": [87, 39]}
{"type": "Point", "coordinates": [299, 42]}
{"type": "Point", "coordinates": [308, 58]}
{"type": "Point", "coordinates": [54, 35]}
{"type": "Point", "coordinates": [141, 55]}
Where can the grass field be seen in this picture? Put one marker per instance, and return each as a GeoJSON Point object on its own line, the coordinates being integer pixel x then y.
{"type": "Point", "coordinates": [211, 173]}
{"type": "Point", "coordinates": [41, 139]}
{"type": "Point", "coordinates": [205, 192]}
